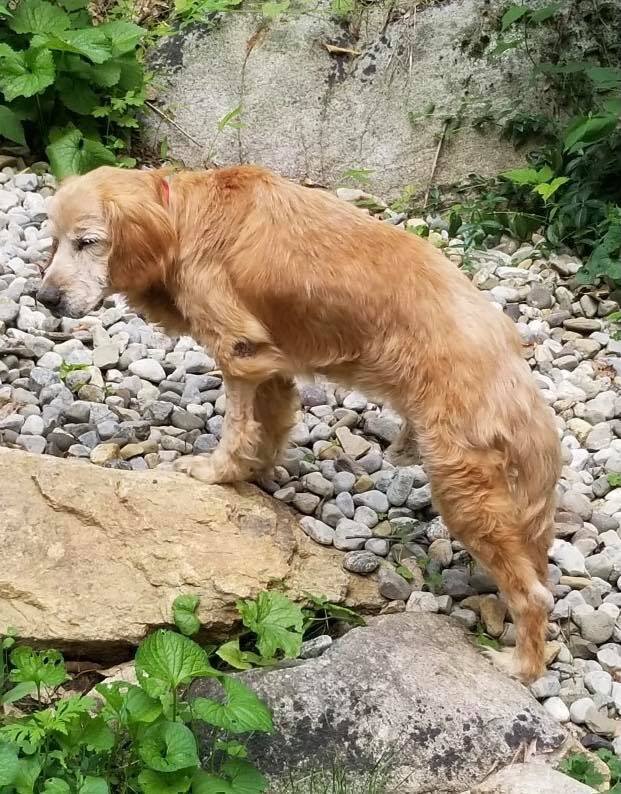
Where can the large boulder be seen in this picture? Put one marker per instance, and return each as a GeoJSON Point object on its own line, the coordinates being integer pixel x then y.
{"type": "Point", "coordinates": [407, 702]}
{"type": "Point", "coordinates": [93, 558]}
{"type": "Point", "coordinates": [320, 96]}
{"type": "Point", "coordinates": [531, 779]}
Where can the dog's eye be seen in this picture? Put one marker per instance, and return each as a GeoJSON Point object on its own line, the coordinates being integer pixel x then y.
{"type": "Point", "coordinates": [83, 242]}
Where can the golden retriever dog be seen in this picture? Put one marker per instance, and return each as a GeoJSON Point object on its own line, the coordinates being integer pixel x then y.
{"type": "Point", "coordinates": [277, 280]}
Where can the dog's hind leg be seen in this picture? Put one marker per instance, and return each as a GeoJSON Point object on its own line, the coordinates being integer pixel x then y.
{"type": "Point", "coordinates": [275, 404]}
{"type": "Point", "coordinates": [471, 491]}
{"type": "Point", "coordinates": [404, 449]}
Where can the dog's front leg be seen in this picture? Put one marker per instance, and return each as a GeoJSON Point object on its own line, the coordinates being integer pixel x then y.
{"type": "Point", "coordinates": [237, 456]}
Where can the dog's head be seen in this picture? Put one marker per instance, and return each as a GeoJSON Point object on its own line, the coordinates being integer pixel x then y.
{"type": "Point", "coordinates": [112, 233]}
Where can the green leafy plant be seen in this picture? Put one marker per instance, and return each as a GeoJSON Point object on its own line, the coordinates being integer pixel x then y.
{"type": "Point", "coordinates": [66, 369]}
{"type": "Point", "coordinates": [139, 738]}
{"type": "Point", "coordinates": [34, 671]}
{"type": "Point", "coordinates": [7, 641]}
{"type": "Point", "coordinates": [274, 629]}
{"type": "Point", "coordinates": [230, 120]}
{"type": "Point", "coordinates": [576, 174]}
{"type": "Point", "coordinates": [321, 614]}
{"type": "Point", "coordinates": [580, 767]}
{"type": "Point", "coordinates": [614, 480]}
{"type": "Point", "coordinates": [431, 574]}
{"type": "Point", "coordinates": [357, 176]}
{"type": "Point", "coordinates": [69, 87]}
{"type": "Point", "coordinates": [143, 738]}
{"type": "Point", "coordinates": [483, 639]}
{"type": "Point", "coordinates": [184, 614]}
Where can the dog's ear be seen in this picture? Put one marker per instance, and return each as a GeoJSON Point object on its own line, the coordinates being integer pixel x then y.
{"type": "Point", "coordinates": [142, 237]}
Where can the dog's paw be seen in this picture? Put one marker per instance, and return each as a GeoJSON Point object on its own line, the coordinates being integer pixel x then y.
{"type": "Point", "coordinates": [505, 661]}
{"type": "Point", "coordinates": [200, 468]}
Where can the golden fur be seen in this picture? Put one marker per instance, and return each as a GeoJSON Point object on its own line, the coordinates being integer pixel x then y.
{"type": "Point", "coordinates": [276, 280]}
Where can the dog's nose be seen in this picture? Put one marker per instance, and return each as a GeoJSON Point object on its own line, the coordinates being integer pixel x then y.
{"type": "Point", "coordinates": [49, 296]}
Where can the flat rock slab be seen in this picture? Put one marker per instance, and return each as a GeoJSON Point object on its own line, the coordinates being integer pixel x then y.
{"type": "Point", "coordinates": [93, 558]}
{"type": "Point", "coordinates": [408, 696]}
{"type": "Point", "coordinates": [531, 779]}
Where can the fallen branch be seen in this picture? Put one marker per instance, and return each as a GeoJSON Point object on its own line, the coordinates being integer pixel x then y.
{"type": "Point", "coordinates": [334, 49]}
{"type": "Point", "coordinates": [171, 121]}
{"type": "Point", "coordinates": [435, 161]}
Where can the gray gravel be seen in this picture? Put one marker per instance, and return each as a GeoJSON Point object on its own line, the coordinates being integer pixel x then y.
{"type": "Point", "coordinates": [114, 391]}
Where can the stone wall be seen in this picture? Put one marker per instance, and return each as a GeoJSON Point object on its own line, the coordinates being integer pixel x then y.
{"type": "Point", "coordinates": [314, 113]}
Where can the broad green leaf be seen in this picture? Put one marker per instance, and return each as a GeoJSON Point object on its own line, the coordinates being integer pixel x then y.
{"type": "Point", "coordinates": [18, 692]}
{"type": "Point", "coordinates": [237, 777]}
{"type": "Point", "coordinates": [241, 711]}
{"type": "Point", "coordinates": [132, 74]}
{"type": "Point", "coordinates": [6, 51]}
{"type": "Point", "coordinates": [77, 95]}
{"type": "Point", "coordinates": [96, 735]}
{"type": "Point", "coordinates": [72, 153]}
{"type": "Point", "coordinates": [114, 693]}
{"type": "Point", "coordinates": [104, 75]}
{"type": "Point", "coordinates": [26, 73]}
{"type": "Point", "coordinates": [244, 777]}
{"type": "Point", "coordinates": [46, 668]}
{"type": "Point", "coordinates": [276, 621]}
{"type": "Point", "coordinates": [129, 703]}
{"type": "Point", "coordinates": [11, 126]}
{"type": "Point", "coordinates": [140, 707]}
{"type": "Point", "coordinates": [232, 748]}
{"type": "Point", "coordinates": [587, 130]}
{"type": "Point", "coordinates": [91, 43]}
{"type": "Point", "coordinates": [605, 77]}
{"type": "Point", "coordinates": [232, 654]}
{"type": "Point", "coordinates": [54, 785]}
{"type": "Point", "coordinates": [612, 105]}
{"type": "Point", "coordinates": [184, 614]}
{"type": "Point", "coordinates": [208, 783]}
{"type": "Point", "coordinates": [523, 176]}
{"type": "Point", "coordinates": [166, 660]}
{"type": "Point", "coordinates": [512, 15]}
{"type": "Point", "coordinates": [545, 13]}
{"type": "Point", "coordinates": [123, 36]}
{"type": "Point", "coordinates": [571, 67]}
{"type": "Point", "coordinates": [39, 16]}
{"type": "Point", "coordinates": [505, 46]}
{"type": "Point", "coordinates": [27, 774]}
{"type": "Point", "coordinates": [605, 259]}
{"type": "Point", "coordinates": [522, 225]}
{"type": "Point", "coordinates": [168, 747]}
{"type": "Point", "coordinates": [549, 189]}
{"type": "Point", "coordinates": [73, 5]}
{"type": "Point", "coordinates": [9, 765]}
{"type": "Point", "coordinates": [152, 782]}
{"type": "Point", "coordinates": [4, 11]}
{"type": "Point", "coordinates": [94, 785]}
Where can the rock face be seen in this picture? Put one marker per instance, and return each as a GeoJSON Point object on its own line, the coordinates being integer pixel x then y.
{"type": "Point", "coordinates": [379, 103]}
{"type": "Point", "coordinates": [92, 558]}
{"type": "Point", "coordinates": [427, 710]}
{"type": "Point", "coordinates": [531, 779]}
